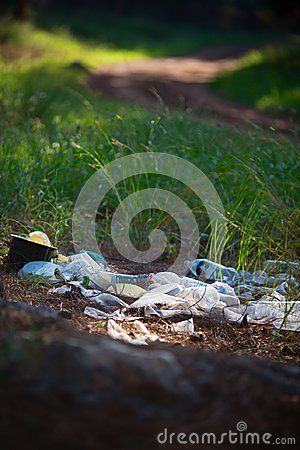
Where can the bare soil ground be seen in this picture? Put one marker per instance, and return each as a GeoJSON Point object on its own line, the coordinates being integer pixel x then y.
{"type": "Point", "coordinates": [182, 82]}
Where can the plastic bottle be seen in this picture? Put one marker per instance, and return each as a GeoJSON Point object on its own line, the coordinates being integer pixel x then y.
{"type": "Point", "coordinates": [190, 282]}
{"type": "Point", "coordinates": [209, 270]}
{"type": "Point", "coordinates": [82, 267]}
{"type": "Point", "coordinates": [121, 284]}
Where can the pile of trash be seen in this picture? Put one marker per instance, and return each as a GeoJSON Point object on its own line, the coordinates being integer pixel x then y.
{"type": "Point", "coordinates": [212, 290]}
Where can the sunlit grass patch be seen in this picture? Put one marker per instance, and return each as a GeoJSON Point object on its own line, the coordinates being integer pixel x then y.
{"type": "Point", "coordinates": [267, 79]}
{"type": "Point", "coordinates": [60, 45]}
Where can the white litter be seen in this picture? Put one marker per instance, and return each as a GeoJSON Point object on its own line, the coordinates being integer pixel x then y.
{"type": "Point", "coordinates": [60, 290]}
{"type": "Point", "coordinates": [115, 331]}
{"type": "Point", "coordinates": [143, 333]}
{"type": "Point", "coordinates": [97, 314]}
{"type": "Point", "coordinates": [186, 326]}
{"type": "Point", "coordinates": [234, 297]}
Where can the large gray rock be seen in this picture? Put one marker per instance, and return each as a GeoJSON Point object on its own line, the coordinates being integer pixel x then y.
{"type": "Point", "coordinates": [63, 389]}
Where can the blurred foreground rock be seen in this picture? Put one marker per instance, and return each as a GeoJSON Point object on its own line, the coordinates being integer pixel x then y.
{"type": "Point", "coordinates": [60, 388]}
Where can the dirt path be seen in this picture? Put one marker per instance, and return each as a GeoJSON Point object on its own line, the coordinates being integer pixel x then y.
{"type": "Point", "coordinates": [181, 82]}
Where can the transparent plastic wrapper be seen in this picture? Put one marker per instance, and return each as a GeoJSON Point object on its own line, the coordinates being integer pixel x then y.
{"type": "Point", "coordinates": [98, 258]}
{"type": "Point", "coordinates": [149, 311]}
{"type": "Point", "coordinates": [109, 301]}
{"type": "Point", "coordinates": [230, 300]}
{"type": "Point", "coordinates": [195, 296]}
{"type": "Point", "coordinates": [223, 313]}
{"type": "Point", "coordinates": [244, 277]}
{"type": "Point", "coordinates": [223, 288]}
{"type": "Point", "coordinates": [203, 296]}
{"type": "Point", "coordinates": [283, 288]}
{"type": "Point", "coordinates": [81, 266]}
{"type": "Point", "coordinates": [162, 278]}
{"type": "Point", "coordinates": [227, 293]}
{"type": "Point", "coordinates": [60, 290]}
{"type": "Point", "coordinates": [283, 315]}
{"type": "Point", "coordinates": [170, 289]}
{"type": "Point", "coordinates": [43, 271]}
{"type": "Point", "coordinates": [165, 278]}
{"type": "Point", "coordinates": [98, 314]}
{"type": "Point", "coordinates": [169, 313]}
{"type": "Point", "coordinates": [154, 299]}
{"type": "Point", "coordinates": [185, 326]}
{"type": "Point", "coordinates": [259, 278]}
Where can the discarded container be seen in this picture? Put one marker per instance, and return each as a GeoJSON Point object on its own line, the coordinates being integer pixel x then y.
{"type": "Point", "coordinates": [223, 313]}
{"type": "Point", "coordinates": [244, 277]}
{"type": "Point", "coordinates": [82, 265]}
{"type": "Point", "coordinates": [190, 282]}
{"type": "Point", "coordinates": [209, 270]}
{"type": "Point", "coordinates": [23, 251]}
{"type": "Point", "coordinates": [259, 278]}
{"type": "Point", "coordinates": [121, 284]}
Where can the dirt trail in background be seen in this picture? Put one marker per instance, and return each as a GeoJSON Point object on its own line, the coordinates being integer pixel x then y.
{"type": "Point", "coordinates": [182, 82]}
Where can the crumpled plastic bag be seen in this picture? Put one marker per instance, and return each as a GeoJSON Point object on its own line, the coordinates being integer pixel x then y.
{"type": "Point", "coordinates": [43, 271]}
{"type": "Point", "coordinates": [185, 326]}
{"type": "Point", "coordinates": [97, 314]}
{"type": "Point", "coordinates": [283, 315]}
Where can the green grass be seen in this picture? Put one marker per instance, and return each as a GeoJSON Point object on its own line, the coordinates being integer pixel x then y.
{"type": "Point", "coordinates": [267, 79]}
{"type": "Point", "coordinates": [96, 40]}
{"type": "Point", "coordinates": [59, 46]}
{"type": "Point", "coordinates": [55, 133]}
{"type": "Point", "coordinates": [153, 38]}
